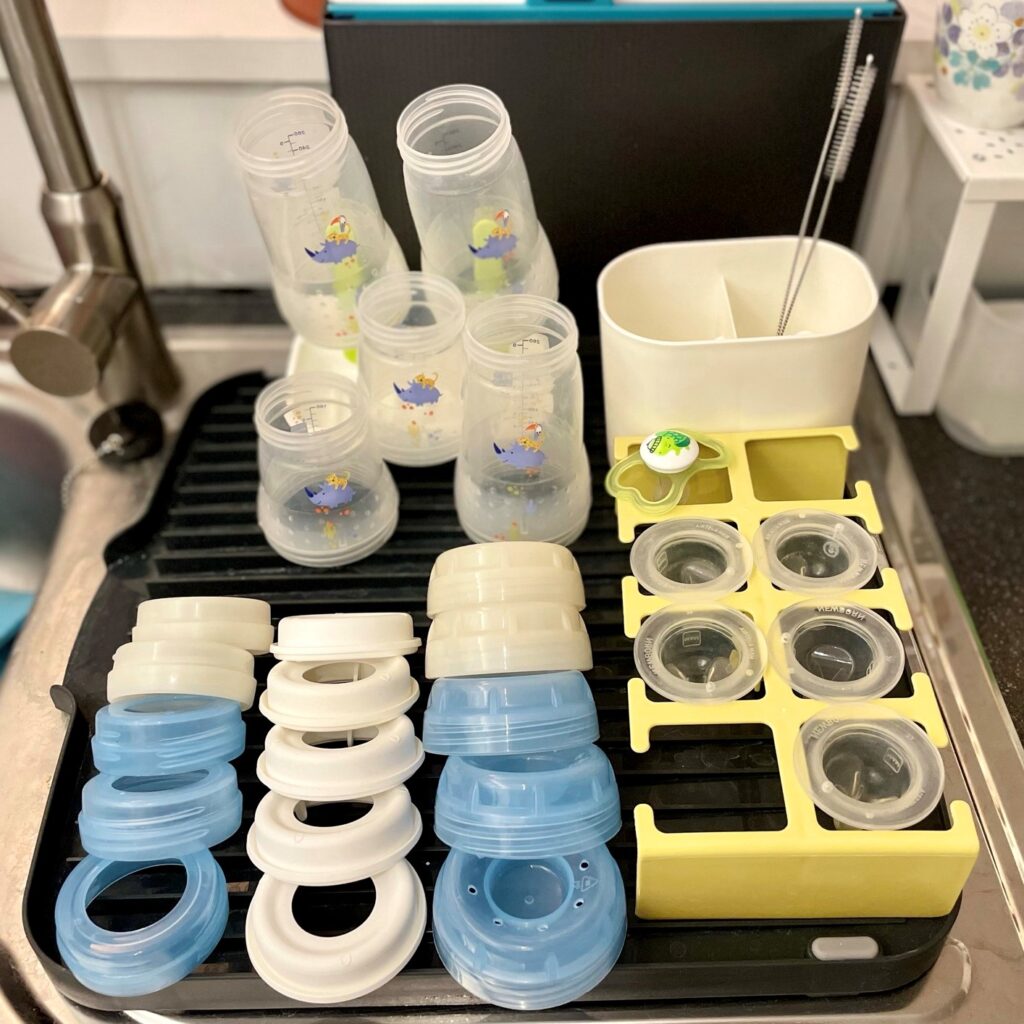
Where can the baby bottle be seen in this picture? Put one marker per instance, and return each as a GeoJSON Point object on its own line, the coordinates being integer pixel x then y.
{"type": "Point", "coordinates": [325, 496]}
{"type": "Point", "coordinates": [412, 362]}
{"type": "Point", "coordinates": [317, 211]}
{"type": "Point", "coordinates": [522, 471]}
{"type": "Point", "coordinates": [470, 195]}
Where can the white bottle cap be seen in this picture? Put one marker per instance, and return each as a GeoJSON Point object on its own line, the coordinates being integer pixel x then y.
{"type": "Point", "coordinates": [499, 638]}
{"type": "Point", "coordinates": [198, 680]}
{"type": "Point", "coordinates": [504, 572]}
{"type": "Point", "coordinates": [344, 635]}
{"type": "Point", "coordinates": [182, 666]}
{"type": "Point", "coordinates": [239, 621]}
{"type": "Point", "coordinates": [206, 653]}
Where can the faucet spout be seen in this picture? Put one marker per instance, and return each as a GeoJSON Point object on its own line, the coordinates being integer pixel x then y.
{"type": "Point", "coordinates": [98, 313]}
{"type": "Point", "coordinates": [12, 307]}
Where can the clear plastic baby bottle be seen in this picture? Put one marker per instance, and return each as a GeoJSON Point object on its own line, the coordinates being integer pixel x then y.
{"type": "Point", "coordinates": [522, 471]}
{"type": "Point", "coordinates": [470, 195]}
{"type": "Point", "coordinates": [317, 210]}
{"type": "Point", "coordinates": [325, 495]}
{"type": "Point", "coordinates": [412, 362]}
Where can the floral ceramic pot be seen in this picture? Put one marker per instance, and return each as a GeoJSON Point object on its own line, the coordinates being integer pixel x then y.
{"type": "Point", "coordinates": [979, 61]}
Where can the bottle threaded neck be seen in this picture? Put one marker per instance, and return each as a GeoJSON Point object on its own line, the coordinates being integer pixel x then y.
{"type": "Point", "coordinates": [456, 129]}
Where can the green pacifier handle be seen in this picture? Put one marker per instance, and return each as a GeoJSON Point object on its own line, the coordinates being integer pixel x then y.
{"type": "Point", "coordinates": [673, 455]}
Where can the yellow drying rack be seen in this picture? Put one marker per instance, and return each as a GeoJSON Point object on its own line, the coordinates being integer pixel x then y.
{"type": "Point", "coordinates": [802, 870]}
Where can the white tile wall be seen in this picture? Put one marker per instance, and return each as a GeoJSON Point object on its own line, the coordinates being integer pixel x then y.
{"type": "Point", "coordinates": [160, 86]}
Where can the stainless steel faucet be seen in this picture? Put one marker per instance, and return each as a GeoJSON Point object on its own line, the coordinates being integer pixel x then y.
{"type": "Point", "coordinates": [94, 328]}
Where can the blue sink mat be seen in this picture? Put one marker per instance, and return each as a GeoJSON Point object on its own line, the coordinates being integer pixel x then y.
{"type": "Point", "coordinates": [14, 609]}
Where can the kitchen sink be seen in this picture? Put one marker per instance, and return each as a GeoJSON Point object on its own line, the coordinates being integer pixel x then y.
{"type": "Point", "coordinates": [978, 975]}
{"type": "Point", "coordinates": [33, 462]}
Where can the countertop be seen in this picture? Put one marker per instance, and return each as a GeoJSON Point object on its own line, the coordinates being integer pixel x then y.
{"type": "Point", "coordinates": [977, 502]}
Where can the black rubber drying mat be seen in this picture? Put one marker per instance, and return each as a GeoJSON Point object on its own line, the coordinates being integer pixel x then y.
{"type": "Point", "coordinates": [200, 537]}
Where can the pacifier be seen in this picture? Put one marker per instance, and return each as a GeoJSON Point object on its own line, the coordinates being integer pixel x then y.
{"type": "Point", "coordinates": [655, 476]}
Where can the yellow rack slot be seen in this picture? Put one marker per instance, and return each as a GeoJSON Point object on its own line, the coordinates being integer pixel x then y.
{"type": "Point", "coordinates": [803, 870]}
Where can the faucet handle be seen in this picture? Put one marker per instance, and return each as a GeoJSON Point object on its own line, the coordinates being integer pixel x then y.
{"type": "Point", "coordinates": [64, 344]}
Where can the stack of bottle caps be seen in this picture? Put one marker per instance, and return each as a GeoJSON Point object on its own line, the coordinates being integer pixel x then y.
{"type": "Point", "coordinates": [166, 792]}
{"type": "Point", "coordinates": [337, 744]}
{"type": "Point", "coordinates": [529, 907]}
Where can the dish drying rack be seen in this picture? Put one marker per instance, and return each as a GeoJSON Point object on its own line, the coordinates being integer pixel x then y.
{"type": "Point", "coordinates": [199, 536]}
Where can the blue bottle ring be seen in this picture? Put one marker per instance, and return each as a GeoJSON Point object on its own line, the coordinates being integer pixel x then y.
{"type": "Point", "coordinates": [140, 817]}
{"type": "Point", "coordinates": [148, 959]}
{"type": "Point", "coordinates": [528, 805]}
{"type": "Point", "coordinates": [529, 934]}
{"type": "Point", "coordinates": [166, 733]}
{"type": "Point", "coordinates": [520, 714]}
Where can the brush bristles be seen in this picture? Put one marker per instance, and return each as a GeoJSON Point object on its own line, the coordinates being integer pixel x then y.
{"type": "Point", "coordinates": [849, 62]}
{"type": "Point", "coordinates": [850, 120]}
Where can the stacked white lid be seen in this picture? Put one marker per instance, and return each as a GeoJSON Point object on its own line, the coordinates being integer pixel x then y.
{"type": "Point", "coordinates": [506, 607]}
{"type": "Point", "coordinates": [193, 645]}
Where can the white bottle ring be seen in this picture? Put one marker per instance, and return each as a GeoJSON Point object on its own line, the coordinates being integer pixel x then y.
{"type": "Point", "coordinates": [338, 695]}
{"type": "Point", "coordinates": [336, 969]}
{"type": "Point", "coordinates": [281, 843]}
{"type": "Point", "coordinates": [198, 680]}
{"type": "Point", "coordinates": [378, 758]}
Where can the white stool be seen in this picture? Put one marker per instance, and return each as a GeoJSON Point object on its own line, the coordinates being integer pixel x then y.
{"type": "Point", "coordinates": [990, 167]}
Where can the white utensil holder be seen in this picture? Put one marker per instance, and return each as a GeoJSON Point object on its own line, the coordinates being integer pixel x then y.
{"type": "Point", "coordinates": [688, 337]}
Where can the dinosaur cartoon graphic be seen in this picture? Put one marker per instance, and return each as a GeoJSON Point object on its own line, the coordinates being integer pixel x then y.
{"type": "Point", "coordinates": [334, 492]}
{"type": "Point", "coordinates": [526, 452]}
{"type": "Point", "coordinates": [669, 442]}
{"type": "Point", "coordinates": [338, 244]}
{"type": "Point", "coordinates": [421, 390]}
{"type": "Point", "coordinates": [499, 242]}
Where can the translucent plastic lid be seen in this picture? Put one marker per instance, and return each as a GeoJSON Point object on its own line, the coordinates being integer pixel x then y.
{"type": "Point", "coordinates": [529, 934]}
{"type": "Point", "coordinates": [698, 558]}
{"type": "Point", "coordinates": [868, 767]}
{"type": "Point", "coordinates": [162, 734]}
{"type": "Point", "coordinates": [709, 655]}
{"type": "Point", "coordinates": [837, 652]}
{"type": "Point", "coordinates": [527, 805]}
{"type": "Point", "coordinates": [519, 714]}
{"type": "Point", "coordinates": [815, 551]}
{"type": "Point", "coordinates": [147, 959]}
{"type": "Point", "coordinates": [139, 817]}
